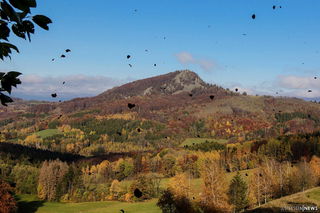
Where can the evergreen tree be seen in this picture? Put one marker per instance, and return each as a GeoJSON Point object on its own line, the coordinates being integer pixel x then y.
{"type": "Point", "coordinates": [238, 193]}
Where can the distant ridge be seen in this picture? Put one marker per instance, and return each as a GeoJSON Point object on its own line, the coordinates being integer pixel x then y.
{"type": "Point", "coordinates": [167, 84]}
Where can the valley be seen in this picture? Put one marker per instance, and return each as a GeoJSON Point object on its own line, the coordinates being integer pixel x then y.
{"type": "Point", "coordinates": [171, 138]}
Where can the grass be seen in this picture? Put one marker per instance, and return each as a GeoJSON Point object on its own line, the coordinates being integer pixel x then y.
{"type": "Point", "coordinates": [314, 194]}
{"type": "Point", "coordinates": [48, 133]}
{"type": "Point", "coordinates": [31, 204]}
{"type": "Point", "coordinates": [192, 141]}
{"type": "Point", "coordinates": [307, 198]}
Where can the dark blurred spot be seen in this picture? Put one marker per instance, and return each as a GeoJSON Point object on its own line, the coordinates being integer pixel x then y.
{"type": "Point", "coordinates": [128, 56]}
{"type": "Point", "coordinates": [131, 105]}
{"type": "Point", "coordinates": [236, 89]}
{"type": "Point", "coordinates": [274, 7]}
{"type": "Point", "coordinates": [62, 56]}
{"type": "Point", "coordinates": [130, 65]}
{"type": "Point", "coordinates": [246, 174]}
{"type": "Point", "coordinates": [244, 34]}
{"type": "Point", "coordinates": [52, 59]}
{"type": "Point", "coordinates": [54, 95]}
{"type": "Point", "coordinates": [315, 77]}
{"type": "Point", "coordinates": [155, 65]}
{"type": "Point", "coordinates": [121, 210]}
{"type": "Point", "coordinates": [63, 82]}
{"type": "Point", "coordinates": [253, 16]}
{"type": "Point", "coordinates": [139, 130]}
{"type": "Point", "coordinates": [190, 94]}
{"type": "Point", "coordinates": [68, 50]}
{"type": "Point", "coordinates": [137, 193]}
{"type": "Point", "coordinates": [309, 90]}
{"type": "Point", "coordinates": [119, 133]}
{"type": "Point", "coordinates": [211, 97]}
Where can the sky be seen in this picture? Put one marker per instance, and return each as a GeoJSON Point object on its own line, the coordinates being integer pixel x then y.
{"type": "Point", "coordinates": [277, 53]}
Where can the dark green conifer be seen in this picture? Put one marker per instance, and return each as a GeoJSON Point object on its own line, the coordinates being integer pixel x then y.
{"type": "Point", "coordinates": [238, 193]}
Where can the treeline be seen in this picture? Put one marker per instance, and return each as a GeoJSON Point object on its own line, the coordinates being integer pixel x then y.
{"type": "Point", "coordinates": [269, 181]}
{"type": "Point", "coordinates": [19, 152]}
{"type": "Point", "coordinates": [283, 117]}
{"type": "Point", "coordinates": [274, 168]}
{"type": "Point", "coordinates": [206, 146]}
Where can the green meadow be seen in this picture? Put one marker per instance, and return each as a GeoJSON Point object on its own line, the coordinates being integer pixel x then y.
{"type": "Point", "coordinates": [48, 133]}
{"type": "Point", "coordinates": [31, 204]}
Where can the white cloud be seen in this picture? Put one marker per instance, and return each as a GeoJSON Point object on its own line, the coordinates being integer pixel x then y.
{"type": "Point", "coordinates": [298, 82]}
{"type": "Point", "coordinates": [240, 88]}
{"type": "Point", "coordinates": [185, 58]}
{"type": "Point", "coordinates": [41, 88]}
{"type": "Point", "coordinates": [206, 64]}
{"type": "Point", "coordinates": [284, 85]}
{"type": "Point", "coordinates": [299, 86]}
{"type": "Point", "coordinates": [188, 58]}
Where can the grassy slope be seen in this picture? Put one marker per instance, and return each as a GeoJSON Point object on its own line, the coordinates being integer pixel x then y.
{"type": "Point", "coordinates": [30, 204]}
{"type": "Point", "coordinates": [48, 133]}
{"type": "Point", "coordinates": [311, 196]}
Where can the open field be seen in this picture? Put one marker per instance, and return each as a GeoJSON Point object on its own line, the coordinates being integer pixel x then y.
{"type": "Point", "coordinates": [31, 204]}
{"type": "Point", "coordinates": [309, 197]}
{"type": "Point", "coordinates": [48, 133]}
{"type": "Point", "coordinates": [193, 141]}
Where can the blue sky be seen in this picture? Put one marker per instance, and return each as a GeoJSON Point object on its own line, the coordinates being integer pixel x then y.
{"type": "Point", "coordinates": [279, 52]}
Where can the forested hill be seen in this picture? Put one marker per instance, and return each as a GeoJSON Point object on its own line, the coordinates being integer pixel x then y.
{"type": "Point", "coordinates": [158, 112]}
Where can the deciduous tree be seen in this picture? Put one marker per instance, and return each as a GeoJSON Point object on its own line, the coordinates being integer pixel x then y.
{"type": "Point", "coordinates": [7, 201]}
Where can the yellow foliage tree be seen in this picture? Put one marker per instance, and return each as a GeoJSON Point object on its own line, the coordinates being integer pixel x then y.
{"type": "Point", "coordinates": [180, 185]}
{"type": "Point", "coordinates": [315, 167]}
{"type": "Point", "coordinates": [214, 195]}
{"type": "Point", "coordinates": [115, 189]}
{"type": "Point", "coordinates": [33, 140]}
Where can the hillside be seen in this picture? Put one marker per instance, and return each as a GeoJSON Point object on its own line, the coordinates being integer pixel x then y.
{"type": "Point", "coordinates": [309, 198]}
{"type": "Point", "coordinates": [176, 105]}
{"type": "Point", "coordinates": [167, 84]}
{"type": "Point", "coordinates": [113, 143]}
